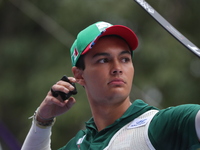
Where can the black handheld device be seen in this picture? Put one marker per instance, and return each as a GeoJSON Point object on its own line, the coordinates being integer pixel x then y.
{"type": "Point", "coordinates": [63, 95]}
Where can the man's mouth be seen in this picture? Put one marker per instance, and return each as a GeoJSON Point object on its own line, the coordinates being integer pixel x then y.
{"type": "Point", "coordinates": [117, 81]}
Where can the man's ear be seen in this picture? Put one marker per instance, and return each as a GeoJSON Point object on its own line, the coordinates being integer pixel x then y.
{"type": "Point", "coordinates": [78, 75]}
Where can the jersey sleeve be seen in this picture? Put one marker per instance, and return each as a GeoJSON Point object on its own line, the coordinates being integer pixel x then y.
{"type": "Point", "coordinates": [174, 128]}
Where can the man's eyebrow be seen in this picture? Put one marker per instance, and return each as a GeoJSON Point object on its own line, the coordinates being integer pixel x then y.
{"type": "Point", "coordinates": [107, 54]}
{"type": "Point", "coordinates": [126, 52]}
{"type": "Point", "coordinates": [101, 54]}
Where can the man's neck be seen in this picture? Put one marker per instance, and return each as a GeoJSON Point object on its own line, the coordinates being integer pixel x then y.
{"type": "Point", "coordinates": [105, 115]}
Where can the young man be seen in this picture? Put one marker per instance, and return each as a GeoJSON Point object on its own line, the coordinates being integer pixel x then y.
{"type": "Point", "coordinates": [102, 64]}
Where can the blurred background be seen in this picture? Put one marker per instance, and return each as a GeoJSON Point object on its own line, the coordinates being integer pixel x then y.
{"type": "Point", "coordinates": [35, 38]}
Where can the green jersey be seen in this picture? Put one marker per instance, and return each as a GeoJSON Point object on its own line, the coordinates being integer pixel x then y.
{"type": "Point", "coordinates": [170, 129]}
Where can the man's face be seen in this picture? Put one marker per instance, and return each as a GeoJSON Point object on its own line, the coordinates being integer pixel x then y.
{"type": "Point", "coordinates": [109, 71]}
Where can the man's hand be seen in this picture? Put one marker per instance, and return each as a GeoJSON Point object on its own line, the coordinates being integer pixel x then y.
{"type": "Point", "coordinates": [55, 106]}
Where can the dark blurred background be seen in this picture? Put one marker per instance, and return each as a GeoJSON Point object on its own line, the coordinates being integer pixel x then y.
{"type": "Point", "coordinates": [35, 38]}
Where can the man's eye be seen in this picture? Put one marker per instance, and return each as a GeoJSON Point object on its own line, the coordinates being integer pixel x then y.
{"type": "Point", "coordinates": [125, 59]}
{"type": "Point", "coordinates": [103, 60]}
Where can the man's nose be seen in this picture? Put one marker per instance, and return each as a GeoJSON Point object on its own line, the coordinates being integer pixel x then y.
{"type": "Point", "coordinates": [116, 71]}
{"type": "Point", "coordinates": [116, 68]}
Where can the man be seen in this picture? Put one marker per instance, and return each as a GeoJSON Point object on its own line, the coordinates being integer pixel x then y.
{"type": "Point", "coordinates": [102, 64]}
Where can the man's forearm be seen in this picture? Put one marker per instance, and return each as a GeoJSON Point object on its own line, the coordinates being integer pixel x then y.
{"type": "Point", "coordinates": [38, 138]}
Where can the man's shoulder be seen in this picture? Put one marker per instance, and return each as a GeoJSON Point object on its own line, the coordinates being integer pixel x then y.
{"type": "Point", "coordinates": [176, 123]}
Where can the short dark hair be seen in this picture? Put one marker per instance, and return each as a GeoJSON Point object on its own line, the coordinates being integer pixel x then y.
{"type": "Point", "coordinates": [81, 63]}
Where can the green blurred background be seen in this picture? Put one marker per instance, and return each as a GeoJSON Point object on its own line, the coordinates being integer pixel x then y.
{"type": "Point", "coordinates": [35, 38]}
